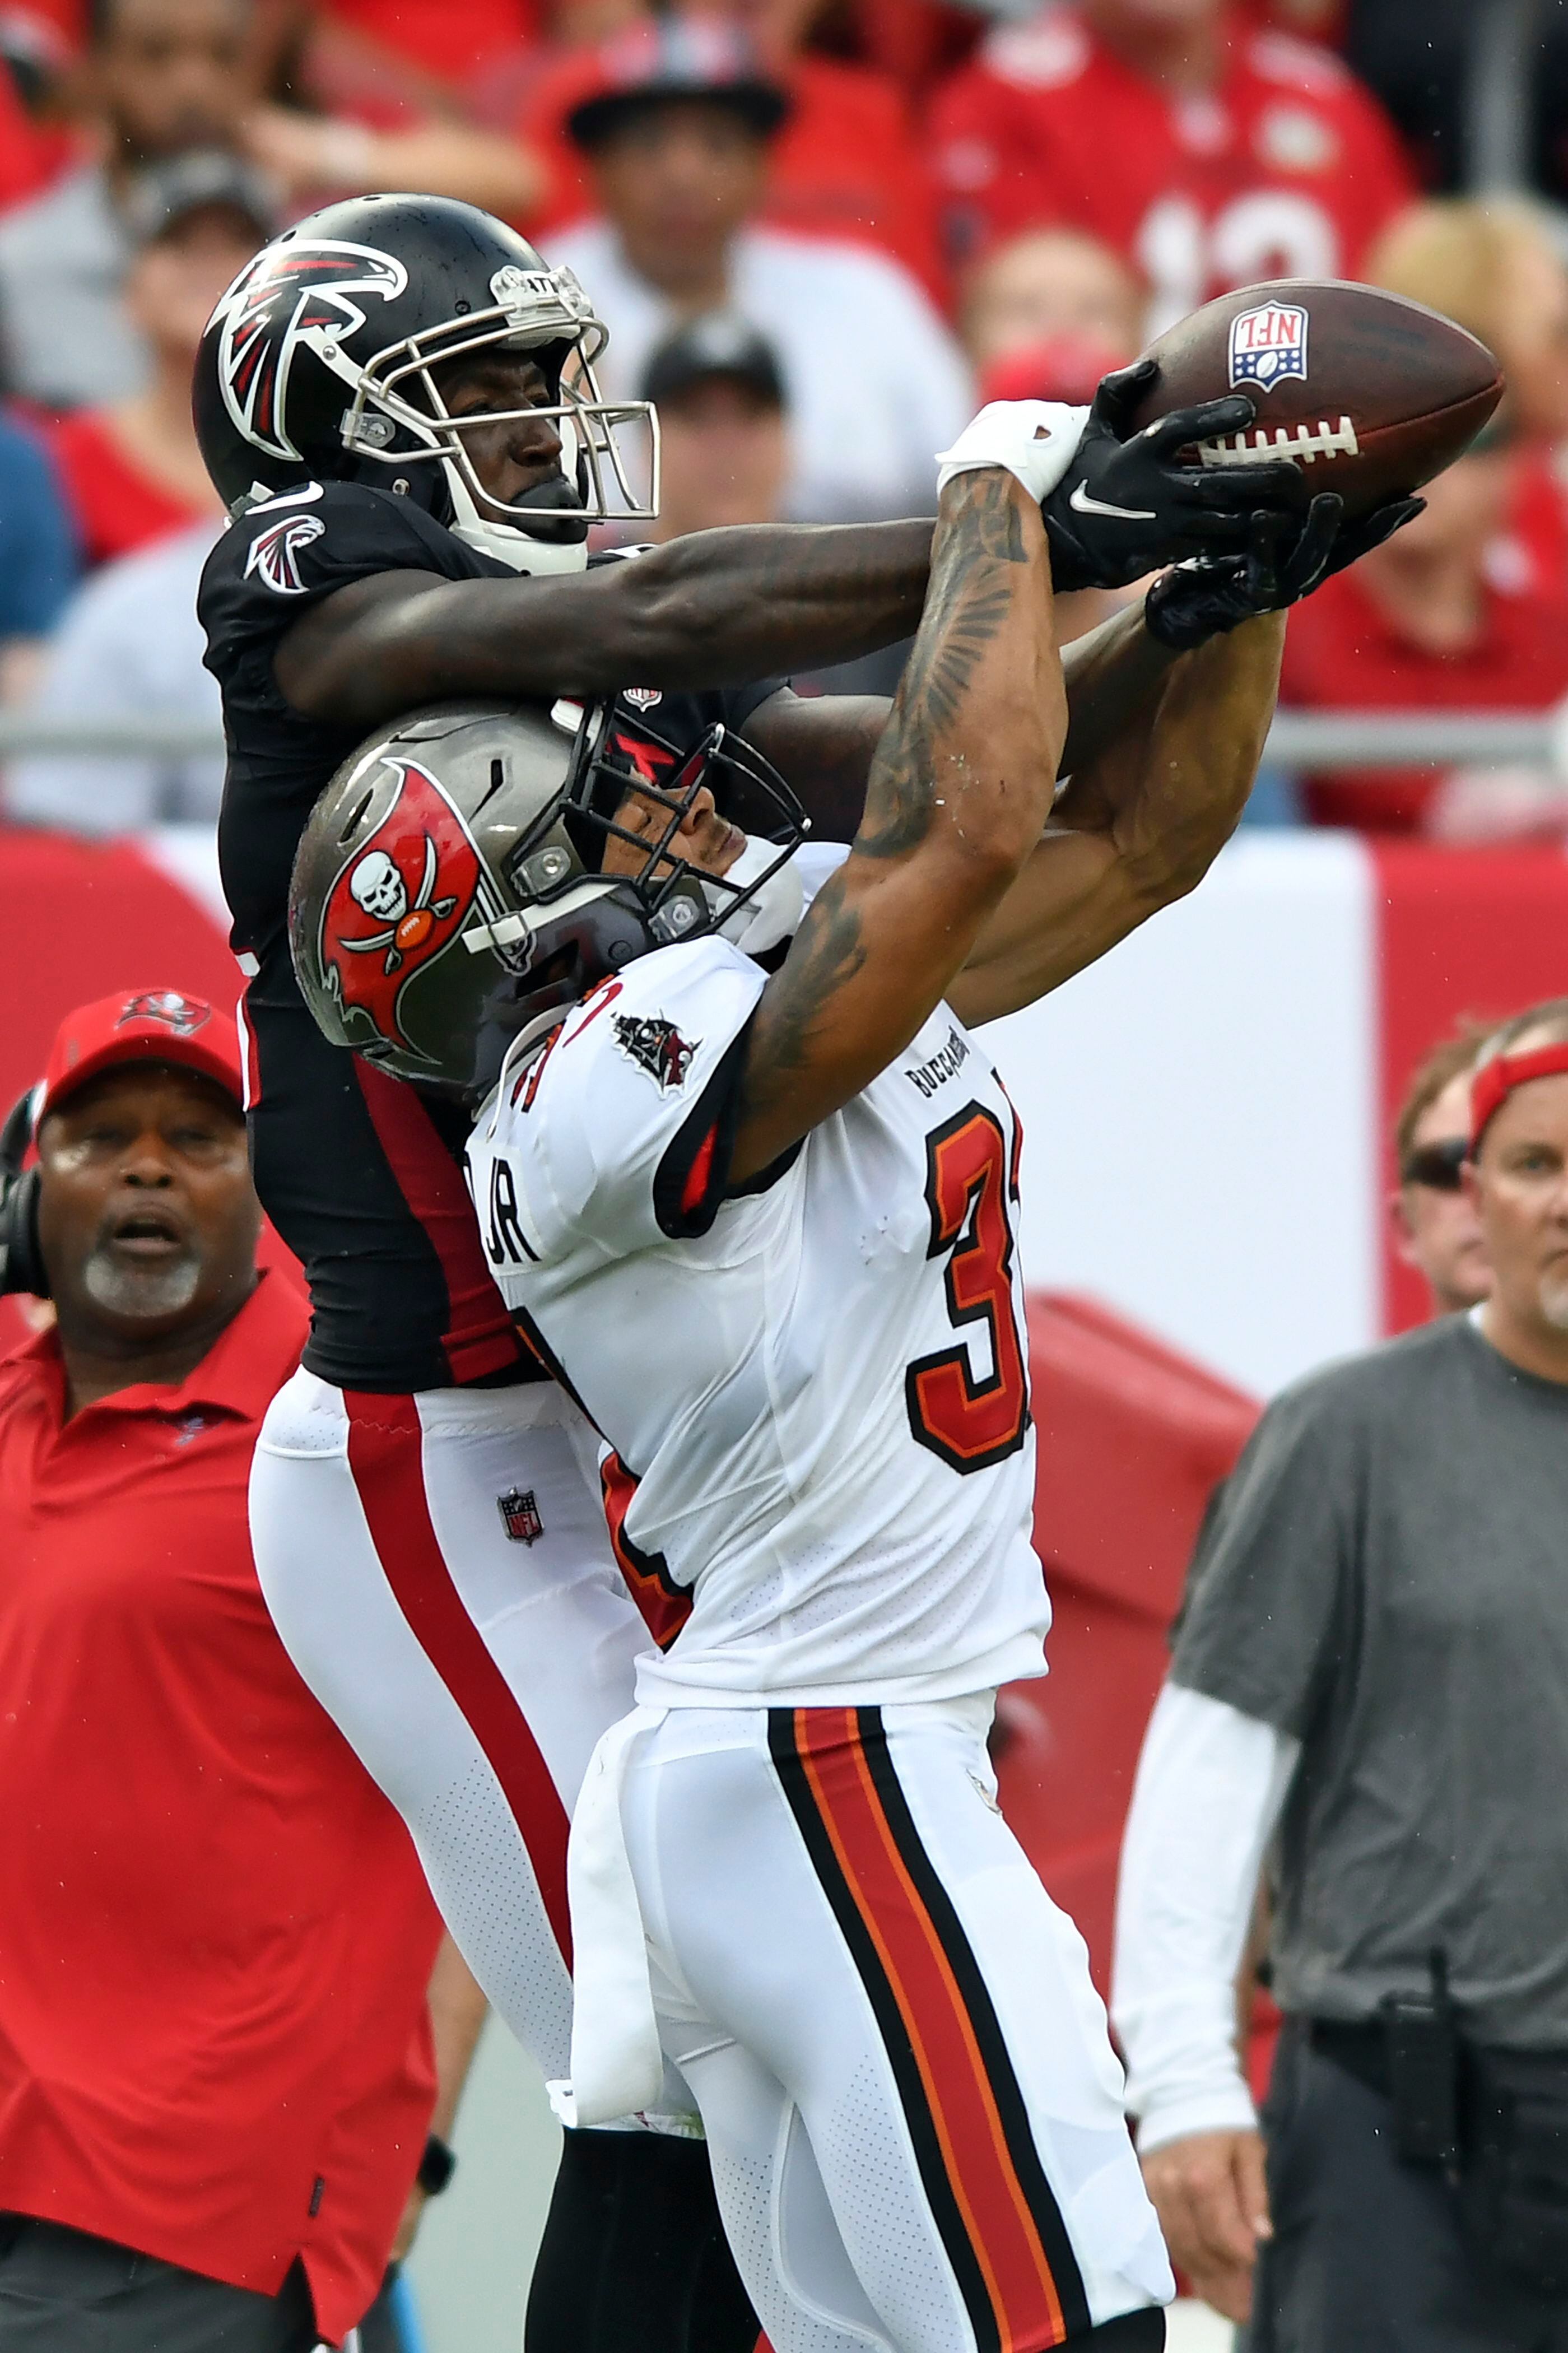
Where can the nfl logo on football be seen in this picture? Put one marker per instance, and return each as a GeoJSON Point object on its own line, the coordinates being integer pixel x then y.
{"type": "Point", "coordinates": [1268, 344]}
{"type": "Point", "coordinates": [520, 1515]}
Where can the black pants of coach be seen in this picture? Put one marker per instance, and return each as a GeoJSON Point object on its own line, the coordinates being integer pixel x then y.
{"type": "Point", "coordinates": [63, 2291]}
{"type": "Point", "coordinates": [1367, 2254]}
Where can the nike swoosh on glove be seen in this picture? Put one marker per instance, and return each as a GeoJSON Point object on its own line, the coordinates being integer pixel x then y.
{"type": "Point", "coordinates": [1125, 507]}
{"type": "Point", "coordinates": [1284, 562]}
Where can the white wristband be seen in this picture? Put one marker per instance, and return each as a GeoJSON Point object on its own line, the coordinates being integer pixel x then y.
{"type": "Point", "coordinates": [1034, 439]}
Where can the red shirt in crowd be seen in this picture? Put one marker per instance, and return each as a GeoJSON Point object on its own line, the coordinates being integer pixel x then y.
{"type": "Point", "coordinates": [1287, 170]}
{"type": "Point", "coordinates": [215, 1937]}
{"type": "Point", "coordinates": [1342, 654]}
{"type": "Point", "coordinates": [845, 164]}
{"type": "Point", "coordinates": [118, 508]}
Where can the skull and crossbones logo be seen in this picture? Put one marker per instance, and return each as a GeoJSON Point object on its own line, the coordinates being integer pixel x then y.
{"type": "Point", "coordinates": [376, 884]}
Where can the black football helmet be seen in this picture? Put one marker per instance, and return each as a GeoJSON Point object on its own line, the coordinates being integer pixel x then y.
{"type": "Point", "coordinates": [448, 891]}
{"type": "Point", "coordinates": [317, 363]}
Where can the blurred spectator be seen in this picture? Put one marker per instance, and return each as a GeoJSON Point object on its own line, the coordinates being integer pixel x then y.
{"type": "Point", "coordinates": [1435, 1225]}
{"type": "Point", "coordinates": [1495, 267]}
{"type": "Point", "coordinates": [845, 164]}
{"type": "Point", "coordinates": [678, 150]}
{"type": "Point", "coordinates": [165, 76]}
{"type": "Point", "coordinates": [1444, 616]}
{"type": "Point", "coordinates": [1367, 1690]}
{"type": "Point", "coordinates": [724, 433]}
{"type": "Point", "coordinates": [129, 647]}
{"type": "Point", "coordinates": [37, 557]}
{"type": "Point", "coordinates": [133, 470]}
{"type": "Point", "coordinates": [1051, 287]}
{"type": "Point", "coordinates": [1207, 154]}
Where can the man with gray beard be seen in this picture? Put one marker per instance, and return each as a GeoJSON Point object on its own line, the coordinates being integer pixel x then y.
{"type": "Point", "coordinates": [1370, 1684]}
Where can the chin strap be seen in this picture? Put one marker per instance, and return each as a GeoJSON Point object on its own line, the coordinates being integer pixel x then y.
{"type": "Point", "coordinates": [519, 550]}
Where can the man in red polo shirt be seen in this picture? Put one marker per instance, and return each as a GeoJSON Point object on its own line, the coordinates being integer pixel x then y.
{"type": "Point", "coordinates": [215, 2062]}
{"type": "Point", "coordinates": [1206, 152]}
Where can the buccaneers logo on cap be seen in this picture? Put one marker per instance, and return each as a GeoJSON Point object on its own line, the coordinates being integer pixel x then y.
{"type": "Point", "coordinates": [296, 291]}
{"type": "Point", "coordinates": [184, 1015]}
{"type": "Point", "coordinates": [400, 902]}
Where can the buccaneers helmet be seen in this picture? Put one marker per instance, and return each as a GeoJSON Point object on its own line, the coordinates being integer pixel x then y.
{"type": "Point", "coordinates": [320, 363]}
{"type": "Point", "coordinates": [448, 891]}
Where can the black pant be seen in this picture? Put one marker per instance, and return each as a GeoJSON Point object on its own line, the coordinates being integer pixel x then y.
{"type": "Point", "coordinates": [1367, 2254]}
{"type": "Point", "coordinates": [62, 2291]}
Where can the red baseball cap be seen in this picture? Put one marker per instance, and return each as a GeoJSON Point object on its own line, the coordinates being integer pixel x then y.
{"type": "Point", "coordinates": [142, 1025]}
{"type": "Point", "coordinates": [677, 56]}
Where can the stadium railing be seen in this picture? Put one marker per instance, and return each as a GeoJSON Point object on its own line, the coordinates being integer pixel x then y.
{"type": "Point", "coordinates": [1298, 739]}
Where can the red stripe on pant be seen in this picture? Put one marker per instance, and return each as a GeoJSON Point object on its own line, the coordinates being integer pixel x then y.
{"type": "Point", "coordinates": [386, 1459]}
{"type": "Point", "coordinates": [941, 2036]}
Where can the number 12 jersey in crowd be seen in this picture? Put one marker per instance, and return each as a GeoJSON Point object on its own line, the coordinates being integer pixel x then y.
{"type": "Point", "coordinates": [817, 1379]}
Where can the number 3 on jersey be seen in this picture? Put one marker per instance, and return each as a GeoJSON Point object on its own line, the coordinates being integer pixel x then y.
{"type": "Point", "coordinates": [972, 1423]}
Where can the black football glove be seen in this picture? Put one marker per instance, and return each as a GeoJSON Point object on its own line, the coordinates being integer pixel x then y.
{"type": "Point", "coordinates": [1284, 561]}
{"type": "Point", "coordinates": [1125, 507]}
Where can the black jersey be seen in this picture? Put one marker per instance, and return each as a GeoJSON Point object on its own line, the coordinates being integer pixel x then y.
{"type": "Point", "coordinates": [359, 1173]}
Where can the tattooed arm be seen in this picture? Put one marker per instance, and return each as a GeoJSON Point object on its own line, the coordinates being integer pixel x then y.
{"type": "Point", "coordinates": [1135, 829]}
{"type": "Point", "coordinates": [959, 791]}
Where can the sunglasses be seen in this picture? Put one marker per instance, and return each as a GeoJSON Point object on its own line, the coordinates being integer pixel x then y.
{"type": "Point", "coordinates": [1437, 1166]}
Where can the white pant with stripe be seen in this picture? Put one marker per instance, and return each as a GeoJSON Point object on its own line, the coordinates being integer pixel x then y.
{"type": "Point", "coordinates": [912, 2107]}
{"type": "Point", "coordinates": [470, 1661]}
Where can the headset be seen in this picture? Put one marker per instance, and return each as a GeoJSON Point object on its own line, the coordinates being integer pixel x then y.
{"type": "Point", "coordinates": [21, 1259]}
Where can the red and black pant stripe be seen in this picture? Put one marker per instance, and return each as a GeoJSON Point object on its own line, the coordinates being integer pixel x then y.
{"type": "Point", "coordinates": [999, 2223]}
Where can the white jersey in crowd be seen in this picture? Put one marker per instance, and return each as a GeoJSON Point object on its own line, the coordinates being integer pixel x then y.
{"type": "Point", "coordinates": [819, 1383]}
{"type": "Point", "coordinates": [873, 380]}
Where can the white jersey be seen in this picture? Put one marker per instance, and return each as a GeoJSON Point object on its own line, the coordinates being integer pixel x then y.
{"type": "Point", "coordinates": [817, 1382]}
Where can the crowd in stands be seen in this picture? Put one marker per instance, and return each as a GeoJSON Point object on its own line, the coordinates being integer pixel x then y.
{"type": "Point", "coordinates": [819, 231]}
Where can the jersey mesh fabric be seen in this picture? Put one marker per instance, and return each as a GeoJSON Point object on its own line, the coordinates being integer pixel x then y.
{"type": "Point", "coordinates": [755, 1358]}
{"type": "Point", "coordinates": [359, 1174]}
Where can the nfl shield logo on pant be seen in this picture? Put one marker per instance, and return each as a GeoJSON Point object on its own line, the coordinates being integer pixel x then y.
{"type": "Point", "coordinates": [520, 1515]}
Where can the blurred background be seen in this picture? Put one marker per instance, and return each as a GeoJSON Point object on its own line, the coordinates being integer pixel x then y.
{"type": "Point", "coordinates": [820, 230]}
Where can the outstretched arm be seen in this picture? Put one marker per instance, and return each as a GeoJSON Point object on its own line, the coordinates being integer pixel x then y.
{"type": "Point", "coordinates": [713, 609]}
{"type": "Point", "coordinates": [1135, 828]}
{"type": "Point", "coordinates": [959, 789]}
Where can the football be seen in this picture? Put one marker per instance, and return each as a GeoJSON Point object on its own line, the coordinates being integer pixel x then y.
{"type": "Point", "coordinates": [1370, 395]}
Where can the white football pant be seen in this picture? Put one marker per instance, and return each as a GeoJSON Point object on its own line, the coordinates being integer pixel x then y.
{"type": "Point", "coordinates": [912, 2107]}
{"type": "Point", "coordinates": [440, 1573]}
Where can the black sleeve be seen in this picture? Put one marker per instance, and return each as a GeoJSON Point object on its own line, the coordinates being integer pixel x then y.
{"type": "Point", "coordinates": [284, 555]}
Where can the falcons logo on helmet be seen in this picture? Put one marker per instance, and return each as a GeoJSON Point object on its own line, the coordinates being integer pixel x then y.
{"type": "Point", "coordinates": [274, 552]}
{"type": "Point", "coordinates": [295, 292]}
{"type": "Point", "coordinates": [400, 902]}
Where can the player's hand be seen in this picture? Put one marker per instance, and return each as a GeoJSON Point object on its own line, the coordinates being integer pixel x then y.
{"type": "Point", "coordinates": [1212, 2197]}
{"type": "Point", "coordinates": [1124, 506]}
{"type": "Point", "coordinates": [1285, 559]}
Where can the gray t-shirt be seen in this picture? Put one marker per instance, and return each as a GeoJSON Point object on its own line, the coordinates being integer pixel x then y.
{"type": "Point", "coordinates": [1386, 1580]}
{"type": "Point", "coordinates": [67, 341]}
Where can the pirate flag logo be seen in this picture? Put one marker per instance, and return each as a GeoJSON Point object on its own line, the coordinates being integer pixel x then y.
{"type": "Point", "coordinates": [400, 902]}
{"type": "Point", "coordinates": [656, 1046]}
{"type": "Point", "coordinates": [293, 294]}
{"type": "Point", "coordinates": [184, 1015]}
